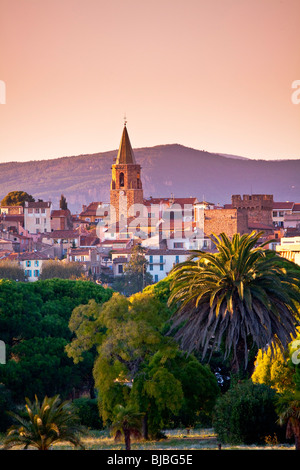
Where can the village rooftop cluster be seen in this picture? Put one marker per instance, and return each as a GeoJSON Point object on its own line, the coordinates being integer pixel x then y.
{"type": "Point", "coordinates": [101, 237]}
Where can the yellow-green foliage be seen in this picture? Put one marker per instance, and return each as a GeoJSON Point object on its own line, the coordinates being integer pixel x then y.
{"type": "Point", "coordinates": [274, 371]}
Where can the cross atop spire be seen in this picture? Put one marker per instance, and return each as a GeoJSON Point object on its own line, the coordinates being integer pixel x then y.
{"type": "Point", "coordinates": [125, 154]}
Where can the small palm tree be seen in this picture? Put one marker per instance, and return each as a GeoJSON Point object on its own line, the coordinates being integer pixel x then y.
{"type": "Point", "coordinates": [127, 421]}
{"type": "Point", "coordinates": [288, 409]}
{"type": "Point", "coordinates": [240, 296]}
{"type": "Point", "coordinates": [45, 424]}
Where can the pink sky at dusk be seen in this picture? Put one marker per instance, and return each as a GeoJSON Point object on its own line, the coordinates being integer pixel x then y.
{"type": "Point", "coordinates": [214, 75]}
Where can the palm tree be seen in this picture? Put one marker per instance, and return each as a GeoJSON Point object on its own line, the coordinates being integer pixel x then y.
{"type": "Point", "coordinates": [240, 296]}
{"type": "Point", "coordinates": [46, 423]}
{"type": "Point", "coordinates": [288, 409]}
{"type": "Point", "coordinates": [127, 421]}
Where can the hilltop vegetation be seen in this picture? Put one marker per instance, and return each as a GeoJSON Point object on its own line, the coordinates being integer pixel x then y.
{"type": "Point", "coordinates": [166, 169]}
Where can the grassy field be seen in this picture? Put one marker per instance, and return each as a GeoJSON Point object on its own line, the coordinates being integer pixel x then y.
{"type": "Point", "coordinates": [197, 439]}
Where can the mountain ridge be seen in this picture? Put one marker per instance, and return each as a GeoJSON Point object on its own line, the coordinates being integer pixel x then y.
{"type": "Point", "coordinates": [166, 169]}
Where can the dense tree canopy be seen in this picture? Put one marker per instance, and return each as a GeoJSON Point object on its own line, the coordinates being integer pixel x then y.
{"type": "Point", "coordinates": [57, 269]}
{"type": "Point", "coordinates": [136, 364]}
{"type": "Point", "coordinates": [34, 326]}
{"type": "Point", "coordinates": [16, 198]}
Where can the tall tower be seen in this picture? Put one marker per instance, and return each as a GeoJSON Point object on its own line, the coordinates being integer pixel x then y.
{"type": "Point", "coordinates": [126, 185]}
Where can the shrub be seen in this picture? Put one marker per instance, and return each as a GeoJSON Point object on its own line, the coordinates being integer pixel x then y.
{"type": "Point", "coordinates": [6, 404]}
{"type": "Point", "coordinates": [88, 412]}
{"type": "Point", "coordinates": [246, 414]}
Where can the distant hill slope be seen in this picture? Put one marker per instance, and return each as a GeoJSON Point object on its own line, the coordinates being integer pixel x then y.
{"type": "Point", "coordinates": [166, 170]}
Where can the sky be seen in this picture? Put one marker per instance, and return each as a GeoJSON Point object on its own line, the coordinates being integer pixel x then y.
{"type": "Point", "coordinates": [214, 75]}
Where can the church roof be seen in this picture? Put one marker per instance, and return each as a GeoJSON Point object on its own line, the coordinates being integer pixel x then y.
{"type": "Point", "coordinates": [125, 154]}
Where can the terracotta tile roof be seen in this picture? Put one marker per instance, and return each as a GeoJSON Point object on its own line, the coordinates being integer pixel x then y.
{"type": "Point", "coordinates": [38, 204]}
{"type": "Point", "coordinates": [62, 234]}
{"type": "Point", "coordinates": [296, 207]}
{"type": "Point", "coordinates": [91, 209]}
{"type": "Point", "coordinates": [283, 205]}
{"type": "Point", "coordinates": [60, 213]}
{"type": "Point", "coordinates": [12, 217]}
{"type": "Point", "coordinates": [34, 255]}
{"type": "Point", "coordinates": [257, 226]}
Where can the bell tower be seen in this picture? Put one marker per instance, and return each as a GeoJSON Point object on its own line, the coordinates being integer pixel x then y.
{"type": "Point", "coordinates": [126, 185]}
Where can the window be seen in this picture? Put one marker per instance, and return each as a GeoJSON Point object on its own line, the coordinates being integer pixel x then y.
{"type": "Point", "coordinates": [30, 211]}
{"type": "Point", "coordinates": [178, 244]}
{"type": "Point", "coordinates": [274, 213]}
{"type": "Point", "coordinates": [120, 268]}
{"type": "Point", "coordinates": [161, 261]}
{"type": "Point", "coordinates": [150, 267]}
{"type": "Point", "coordinates": [281, 214]}
{"type": "Point", "coordinates": [37, 211]}
{"type": "Point", "coordinates": [43, 211]}
{"type": "Point", "coordinates": [28, 272]}
{"type": "Point", "coordinates": [156, 278]}
{"type": "Point", "coordinates": [36, 273]}
{"type": "Point", "coordinates": [36, 262]}
{"type": "Point", "coordinates": [37, 221]}
{"type": "Point", "coordinates": [28, 264]}
{"type": "Point", "coordinates": [121, 180]}
{"type": "Point", "coordinates": [151, 259]}
{"type": "Point", "coordinates": [177, 259]}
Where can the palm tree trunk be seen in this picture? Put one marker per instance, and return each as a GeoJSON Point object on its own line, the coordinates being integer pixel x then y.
{"type": "Point", "coordinates": [127, 439]}
{"type": "Point", "coordinates": [145, 427]}
{"type": "Point", "coordinates": [238, 361]}
{"type": "Point", "coordinates": [296, 431]}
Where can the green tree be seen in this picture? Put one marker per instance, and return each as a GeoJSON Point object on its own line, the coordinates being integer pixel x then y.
{"type": "Point", "coordinates": [57, 269]}
{"type": "Point", "coordinates": [136, 363]}
{"type": "Point", "coordinates": [128, 421]}
{"type": "Point", "coordinates": [11, 270]}
{"type": "Point", "coordinates": [246, 414]}
{"type": "Point", "coordinates": [16, 198]}
{"type": "Point", "coordinates": [34, 321]}
{"type": "Point", "coordinates": [274, 369]}
{"type": "Point", "coordinates": [288, 409]}
{"type": "Point", "coordinates": [63, 203]}
{"type": "Point", "coordinates": [135, 277]}
{"type": "Point", "coordinates": [240, 298]}
{"type": "Point", "coordinates": [46, 423]}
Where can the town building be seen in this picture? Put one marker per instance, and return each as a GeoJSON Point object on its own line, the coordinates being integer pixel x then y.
{"type": "Point", "coordinates": [37, 217]}
{"type": "Point", "coordinates": [32, 264]}
{"type": "Point", "coordinates": [61, 219]}
{"type": "Point", "coordinates": [289, 248]}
